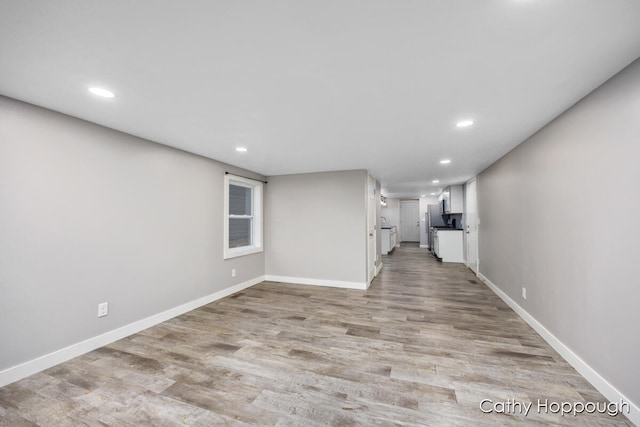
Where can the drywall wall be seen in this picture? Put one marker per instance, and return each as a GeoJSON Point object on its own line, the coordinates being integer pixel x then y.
{"type": "Point", "coordinates": [558, 218]}
{"type": "Point", "coordinates": [392, 213]}
{"type": "Point", "coordinates": [89, 214]}
{"type": "Point", "coordinates": [316, 227]}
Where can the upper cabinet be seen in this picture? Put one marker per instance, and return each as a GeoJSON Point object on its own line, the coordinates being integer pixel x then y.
{"type": "Point", "coordinates": [451, 200]}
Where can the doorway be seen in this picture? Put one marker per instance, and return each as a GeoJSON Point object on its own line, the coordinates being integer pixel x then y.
{"type": "Point", "coordinates": [472, 225]}
{"type": "Point", "coordinates": [409, 221]}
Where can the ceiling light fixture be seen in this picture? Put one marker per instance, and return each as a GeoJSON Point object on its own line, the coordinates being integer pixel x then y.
{"type": "Point", "coordinates": [464, 123]}
{"type": "Point", "coordinates": [241, 149]}
{"type": "Point", "coordinates": [436, 181]}
{"type": "Point", "coordinates": [433, 194]}
{"type": "Point", "coordinates": [101, 92]}
{"type": "Point", "coordinates": [445, 161]}
{"type": "Point", "coordinates": [423, 195]}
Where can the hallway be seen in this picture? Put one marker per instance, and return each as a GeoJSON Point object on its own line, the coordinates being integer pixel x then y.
{"type": "Point", "coordinates": [423, 346]}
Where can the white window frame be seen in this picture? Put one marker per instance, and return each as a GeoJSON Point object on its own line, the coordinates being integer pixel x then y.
{"type": "Point", "coordinates": [257, 223]}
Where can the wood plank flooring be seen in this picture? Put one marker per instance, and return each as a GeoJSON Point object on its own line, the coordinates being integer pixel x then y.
{"type": "Point", "coordinates": [422, 347]}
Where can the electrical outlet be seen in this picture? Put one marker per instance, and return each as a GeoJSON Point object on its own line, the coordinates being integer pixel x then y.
{"type": "Point", "coordinates": [524, 293]}
{"type": "Point", "coordinates": [233, 272]}
{"type": "Point", "coordinates": [103, 309]}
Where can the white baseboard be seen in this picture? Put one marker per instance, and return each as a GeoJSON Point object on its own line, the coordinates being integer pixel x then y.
{"type": "Point", "coordinates": [379, 268]}
{"type": "Point", "coordinates": [41, 363]}
{"type": "Point", "coordinates": [590, 374]}
{"type": "Point", "coordinates": [317, 282]}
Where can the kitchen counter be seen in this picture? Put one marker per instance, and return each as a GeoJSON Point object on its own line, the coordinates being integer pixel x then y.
{"type": "Point", "coordinates": [448, 246]}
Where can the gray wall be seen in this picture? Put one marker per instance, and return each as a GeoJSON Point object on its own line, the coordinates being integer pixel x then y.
{"type": "Point", "coordinates": [392, 213]}
{"type": "Point", "coordinates": [88, 215]}
{"type": "Point", "coordinates": [558, 216]}
{"type": "Point", "coordinates": [316, 226]}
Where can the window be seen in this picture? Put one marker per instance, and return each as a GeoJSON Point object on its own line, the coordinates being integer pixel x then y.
{"type": "Point", "coordinates": [242, 216]}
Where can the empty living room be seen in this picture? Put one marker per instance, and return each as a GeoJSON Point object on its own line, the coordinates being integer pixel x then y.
{"type": "Point", "coordinates": [321, 213]}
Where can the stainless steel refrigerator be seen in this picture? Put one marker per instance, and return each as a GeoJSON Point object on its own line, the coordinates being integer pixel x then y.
{"type": "Point", "coordinates": [433, 219]}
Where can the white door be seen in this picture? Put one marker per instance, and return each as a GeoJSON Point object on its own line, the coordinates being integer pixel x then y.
{"type": "Point", "coordinates": [409, 221]}
{"type": "Point", "coordinates": [371, 229]}
{"type": "Point", "coordinates": [472, 225]}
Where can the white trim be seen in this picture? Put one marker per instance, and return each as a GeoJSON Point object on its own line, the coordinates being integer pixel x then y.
{"type": "Point", "coordinates": [41, 363]}
{"type": "Point", "coordinates": [590, 374]}
{"type": "Point", "coordinates": [257, 231]}
{"type": "Point", "coordinates": [466, 235]}
{"type": "Point", "coordinates": [379, 268]}
{"type": "Point", "coordinates": [424, 246]}
{"type": "Point", "coordinates": [372, 227]}
{"type": "Point", "coordinates": [317, 282]}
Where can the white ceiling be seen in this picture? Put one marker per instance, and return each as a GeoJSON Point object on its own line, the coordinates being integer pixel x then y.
{"type": "Point", "coordinates": [320, 85]}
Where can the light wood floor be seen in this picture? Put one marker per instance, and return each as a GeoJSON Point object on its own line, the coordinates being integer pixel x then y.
{"type": "Point", "coordinates": [423, 346]}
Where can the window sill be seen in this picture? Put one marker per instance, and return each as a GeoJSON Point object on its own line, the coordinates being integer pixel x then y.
{"type": "Point", "coordinates": [236, 252]}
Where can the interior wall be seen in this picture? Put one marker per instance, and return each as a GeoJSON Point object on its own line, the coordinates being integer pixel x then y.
{"type": "Point", "coordinates": [316, 226]}
{"type": "Point", "coordinates": [392, 212]}
{"type": "Point", "coordinates": [558, 218]}
{"type": "Point", "coordinates": [88, 215]}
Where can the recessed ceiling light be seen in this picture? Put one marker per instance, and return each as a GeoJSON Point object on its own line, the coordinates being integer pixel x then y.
{"type": "Point", "coordinates": [435, 181]}
{"type": "Point", "coordinates": [433, 194]}
{"type": "Point", "coordinates": [464, 123]}
{"type": "Point", "coordinates": [445, 161]}
{"type": "Point", "coordinates": [423, 195]}
{"type": "Point", "coordinates": [241, 149]}
{"type": "Point", "coordinates": [101, 92]}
